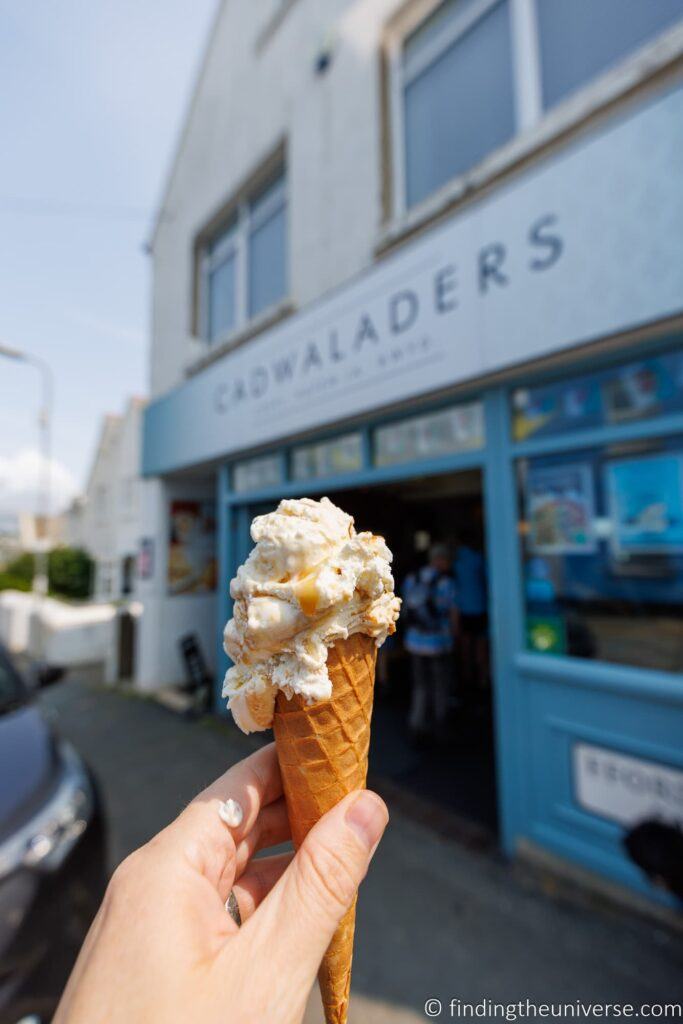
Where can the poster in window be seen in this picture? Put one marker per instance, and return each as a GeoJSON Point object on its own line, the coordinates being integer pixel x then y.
{"type": "Point", "coordinates": [646, 504]}
{"type": "Point", "coordinates": [560, 508]}
{"type": "Point", "coordinates": [635, 391]}
{"type": "Point", "coordinates": [192, 547]}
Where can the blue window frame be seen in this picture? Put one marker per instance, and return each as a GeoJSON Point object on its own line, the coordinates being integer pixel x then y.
{"type": "Point", "coordinates": [600, 497]}
{"type": "Point", "coordinates": [602, 550]}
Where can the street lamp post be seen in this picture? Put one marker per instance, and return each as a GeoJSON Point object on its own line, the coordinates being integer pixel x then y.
{"type": "Point", "coordinates": [40, 576]}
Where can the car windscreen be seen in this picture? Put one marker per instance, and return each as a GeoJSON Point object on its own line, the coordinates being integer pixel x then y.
{"type": "Point", "coordinates": [12, 691]}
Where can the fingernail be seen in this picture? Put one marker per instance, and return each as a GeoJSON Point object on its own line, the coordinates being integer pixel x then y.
{"type": "Point", "coordinates": [368, 817]}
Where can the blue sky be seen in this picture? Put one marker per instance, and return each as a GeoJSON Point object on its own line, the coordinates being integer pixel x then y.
{"type": "Point", "coordinates": [94, 93]}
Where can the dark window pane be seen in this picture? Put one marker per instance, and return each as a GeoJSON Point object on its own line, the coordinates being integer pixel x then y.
{"type": "Point", "coordinates": [460, 107]}
{"type": "Point", "coordinates": [602, 548]}
{"type": "Point", "coordinates": [221, 286]}
{"type": "Point", "coordinates": [429, 31]}
{"type": "Point", "coordinates": [581, 38]}
{"type": "Point", "coordinates": [268, 262]}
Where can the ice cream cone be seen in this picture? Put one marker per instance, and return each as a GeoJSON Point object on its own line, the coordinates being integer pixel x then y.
{"type": "Point", "coordinates": [322, 749]}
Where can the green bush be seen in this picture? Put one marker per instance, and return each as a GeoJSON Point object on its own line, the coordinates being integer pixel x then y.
{"type": "Point", "coordinates": [19, 572]}
{"type": "Point", "coordinates": [70, 572]}
{"type": "Point", "coordinates": [8, 581]}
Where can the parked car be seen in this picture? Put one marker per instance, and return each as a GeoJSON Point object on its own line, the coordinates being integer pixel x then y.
{"type": "Point", "coordinates": [52, 850]}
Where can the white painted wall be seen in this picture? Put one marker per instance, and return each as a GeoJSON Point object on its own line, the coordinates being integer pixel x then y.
{"type": "Point", "coordinates": [165, 617]}
{"type": "Point", "coordinates": [111, 510]}
{"type": "Point", "coordinates": [56, 632]}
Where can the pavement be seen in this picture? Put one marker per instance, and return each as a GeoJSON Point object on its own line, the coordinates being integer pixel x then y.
{"type": "Point", "coordinates": [436, 919]}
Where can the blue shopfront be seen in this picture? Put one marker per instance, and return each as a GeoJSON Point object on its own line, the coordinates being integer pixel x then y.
{"type": "Point", "coordinates": [515, 375]}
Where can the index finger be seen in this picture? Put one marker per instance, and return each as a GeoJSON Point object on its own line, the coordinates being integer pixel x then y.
{"type": "Point", "coordinates": [199, 831]}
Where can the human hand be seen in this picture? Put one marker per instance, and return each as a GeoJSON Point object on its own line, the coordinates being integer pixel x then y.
{"type": "Point", "coordinates": [163, 949]}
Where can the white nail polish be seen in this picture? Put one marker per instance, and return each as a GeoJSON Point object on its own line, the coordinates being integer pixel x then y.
{"type": "Point", "coordinates": [231, 813]}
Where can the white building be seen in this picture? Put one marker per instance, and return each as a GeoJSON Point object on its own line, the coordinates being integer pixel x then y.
{"type": "Point", "coordinates": [427, 257]}
{"type": "Point", "coordinates": [107, 520]}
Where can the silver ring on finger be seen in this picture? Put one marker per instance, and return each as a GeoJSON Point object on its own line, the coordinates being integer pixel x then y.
{"type": "Point", "coordinates": [233, 908]}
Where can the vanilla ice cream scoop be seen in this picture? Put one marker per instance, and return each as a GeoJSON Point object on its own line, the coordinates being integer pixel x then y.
{"type": "Point", "coordinates": [309, 581]}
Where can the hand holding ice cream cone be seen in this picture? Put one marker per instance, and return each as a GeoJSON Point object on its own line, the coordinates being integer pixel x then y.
{"type": "Point", "coordinates": [313, 602]}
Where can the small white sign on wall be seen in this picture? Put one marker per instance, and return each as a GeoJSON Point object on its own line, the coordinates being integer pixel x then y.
{"type": "Point", "coordinates": [626, 789]}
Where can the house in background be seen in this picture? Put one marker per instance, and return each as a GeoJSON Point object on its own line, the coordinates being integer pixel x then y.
{"type": "Point", "coordinates": [106, 520]}
{"type": "Point", "coordinates": [36, 531]}
{"type": "Point", "coordinates": [10, 544]}
{"type": "Point", "coordinates": [73, 522]}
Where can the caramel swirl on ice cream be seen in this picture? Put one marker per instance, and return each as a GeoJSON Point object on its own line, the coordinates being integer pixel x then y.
{"type": "Point", "coordinates": [309, 581]}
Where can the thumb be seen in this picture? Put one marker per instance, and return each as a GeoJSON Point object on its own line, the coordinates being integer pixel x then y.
{"type": "Point", "coordinates": [303, 910]}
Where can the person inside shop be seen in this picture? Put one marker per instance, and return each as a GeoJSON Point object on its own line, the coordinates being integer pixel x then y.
{"type": "Point", "coordinates": [431, 619]}
{"type": "Point", "coordinates": [469, 570]}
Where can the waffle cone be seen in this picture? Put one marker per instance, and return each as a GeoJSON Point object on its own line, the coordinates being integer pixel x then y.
{"type": "Point", "coordinates": [323, 754]}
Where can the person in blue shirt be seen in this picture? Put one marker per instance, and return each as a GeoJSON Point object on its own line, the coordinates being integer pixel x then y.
{"type": "Point", "coordinates": [430, 617]}
{"type": "Point", "coordinates": [469, 569]}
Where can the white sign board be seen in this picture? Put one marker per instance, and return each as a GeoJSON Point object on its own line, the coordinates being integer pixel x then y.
{"type": "Point", "coordinates": [587, 244]}
{"type": "Point", "coordinates": [626, 789]}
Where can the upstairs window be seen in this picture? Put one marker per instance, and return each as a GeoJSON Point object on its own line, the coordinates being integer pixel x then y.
{"type": "Point", "coordinates": [267, 278]}
{"type": "Point", "coordinates": [457, 92]}
{"type": "Point", "coordinates": [220, 283]}
{"type": "Point", "coordinates": [581, 39]}
{"type": "Point", "coordinates": [477, 72]}
{"type": "Point", "coordinates": [244, 265]}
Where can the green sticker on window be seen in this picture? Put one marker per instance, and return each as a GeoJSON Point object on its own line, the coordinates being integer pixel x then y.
{"type": "Point", "coordinates": [546, 634]}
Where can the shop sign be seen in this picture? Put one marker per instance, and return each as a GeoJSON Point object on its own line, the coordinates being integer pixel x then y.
{"type": "Point", "coordinates": [626, 789]}
{"type": "Point", "coordinates": [585, 245]}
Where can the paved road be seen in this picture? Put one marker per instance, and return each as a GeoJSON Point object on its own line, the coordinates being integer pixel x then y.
{"type": "Point", "coordinates": [435, 919]}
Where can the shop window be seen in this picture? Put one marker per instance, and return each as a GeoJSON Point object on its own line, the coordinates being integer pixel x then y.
{"type": "Point", "coordinates": [255, 474]}
{"type": "Point", "coordinates": [580, 39]}
{"type": "Point", "coordinates": [457, 92]}
{"type": "Point", "coordinates": [602, 547]}
{"type": "Point", "coordinates": [329, 458]}
{"type": "Point", "coordinates": [637, 391]}
{"type": "Point", "coordinates": [453, 430]}
{"type": "Point", "coordinates": [244, 265]}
